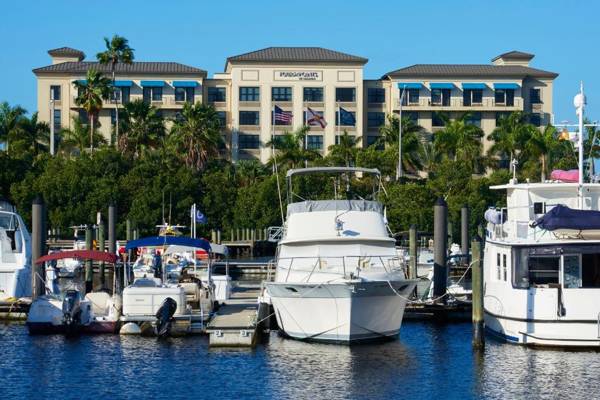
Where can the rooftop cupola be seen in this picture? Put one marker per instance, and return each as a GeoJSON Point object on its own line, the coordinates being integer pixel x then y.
{"type": "Point", "coordinates": [66, 54]}
{"type": "Point", "coordinates": [513, 58]}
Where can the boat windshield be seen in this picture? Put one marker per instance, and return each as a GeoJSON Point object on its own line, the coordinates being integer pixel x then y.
{"type": "Point", "coordinates": [569, 266]}
{"type": "Point", "coordinates": [8, 221]}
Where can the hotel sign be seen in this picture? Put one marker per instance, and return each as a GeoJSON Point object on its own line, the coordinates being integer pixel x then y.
{"type": "Point", "coordinates": [298, 75]}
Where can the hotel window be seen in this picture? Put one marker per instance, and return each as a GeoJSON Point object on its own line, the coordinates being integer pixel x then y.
{"type": "Point", "coordinates": [249, 94]}
{"type": "Point", "coordinates": [152, 94]}
{"type": "Point", "coordinates": [314, 94]}
{"type": "Point", "coordinates": [281, 94]}
{"type": "Point", "coordinates": [113, 116]}
{"type": "Point", "coordinates": [217, 95]}
{"type": "Point", "coordinates": [249, 117]}
{"type": "Point", "coordinates": [248, 141]}
{"type": "Point", "coordinates": [222, 115]}
{"type": "Point", "coordinates": [411, 96]}
{"type": "Point", "coordinates": [412, 115]}
{"type": "Point", "coordinates": [376, 95]}
{"type": "Point", "coordinates": [535, 119]}
{"type": "Point", "coordinates": [474, 118]}
{"type": "Point", "coordinates": [440, 97]}
{"type": "Point", "coordinates": [55, 92]}
{"type": "Point", "coordinates": [535, 95]}
{"type": "Point", "coordinates": [83, 117]}
{"type": "Point", "coordinates": [472, 97]}
{"type": "Point", "coordinates": [438, 119]}
{"type": "Point", "coordinates": [57, 116]}
{"type": "Point", "coordinates": [375, 119]}
{"type": "Point", "coordinates": [373, 140]}
{"type": "Point", "coordinates": [314, 142]}
{"type": "Point", "coordinates": [120, 94]}
{"type": "Point", "coordinates": [184, 94]}
{"type": "Point", "coordinates": [345, 94]}
{"type": "Point", "coordinates": [346, 123]}
{"type": "Point", "coordinates": [505, 97]}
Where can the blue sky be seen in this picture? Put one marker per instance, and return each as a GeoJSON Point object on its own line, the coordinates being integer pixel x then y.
{"type": "Point", "coordinates": [392, 34]}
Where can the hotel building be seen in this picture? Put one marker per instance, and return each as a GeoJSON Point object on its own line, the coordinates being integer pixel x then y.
{"type": "Point", "coordinates": [298, 78]}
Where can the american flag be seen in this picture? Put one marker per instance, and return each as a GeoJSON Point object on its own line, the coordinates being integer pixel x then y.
{"type": "Point", "coordinates": [283, 116]}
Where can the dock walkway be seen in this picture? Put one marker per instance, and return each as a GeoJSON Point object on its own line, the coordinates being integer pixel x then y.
{"type": "Point", "coordinates": [234, 324]}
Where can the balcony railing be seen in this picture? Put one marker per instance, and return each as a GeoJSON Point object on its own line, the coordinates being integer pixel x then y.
{"type": "Point", "coordinates": [458, 102]}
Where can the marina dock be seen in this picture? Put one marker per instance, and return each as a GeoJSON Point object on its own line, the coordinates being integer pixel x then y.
{"type": "Point", "coordinates": [235, 323]}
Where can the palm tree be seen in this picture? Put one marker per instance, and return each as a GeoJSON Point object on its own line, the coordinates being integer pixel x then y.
{"type": "Point", "coordinates": [540, 144]}
{"type": "Point", "coordinates": [460, 140]}
{"type": "Point", "coordinates": [249, 171]}
{"type": "Point", "coordinates": [289, 148]}
{"type": "Point", "coordinates": [76, 139]}
{"type": "Point", "coordinates": [412, 141]}
{"type": "Point", "coordinates": [117, 51]}
{"type": "Point", "coordinates": [197, 134]}
{"type": "Point", "coordinates": [143, 128]}
{"type": "Point", "coordinates": [510, 136]}
{"type": "Point", "coordinates": [31, 135]}
{"type": "Point", "coordinates": [91, 93]}
{"type": "Point", "coordinates": [345, 150]}
{"type": "Point", "coordinates": [9, 120]}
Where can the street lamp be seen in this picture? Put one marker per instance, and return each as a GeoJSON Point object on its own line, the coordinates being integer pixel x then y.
{"type": "Point", "coordinates": [52, 127]}
{"type": "Point", "coordinates": [402, 90]}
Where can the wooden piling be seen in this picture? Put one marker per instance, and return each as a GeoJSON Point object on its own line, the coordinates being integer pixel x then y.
{"type": "Point", "coordinates": [38, 245]}
{"type": "Point", "coordinates": [412, 251]}
{"type": "Point", "coordinates": [450, 227]}
{"type": "Point", "coordinates": [112, 224]}
{"type": "Point", "coordinates": [213, 236]}
{"type": "Point", "coordinates": [477, 282]}
{"type": "Point", "coordinates": [440, 232]}
{"type": "Point", "coordinates": [89, 272]}
{"type": "Point", "coordinates": [218, 236]}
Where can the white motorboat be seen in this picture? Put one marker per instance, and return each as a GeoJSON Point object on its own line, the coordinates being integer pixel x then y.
{"type": "Point", "coordinates": [66, 308]}
{"type": "Point", "coordinates": [15, 255]}
{"type": "Point", "coordinates": [338, 275]}
{"type": "Point", "coordinates": [542, 262]}
{"type": "Point", "coordinates": [188, 299]}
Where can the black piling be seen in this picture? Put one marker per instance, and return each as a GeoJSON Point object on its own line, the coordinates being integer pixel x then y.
{"type": "Point", "coordinates": [464, 231]}
{"type": "Point", "coordinates": [440, 251]}
{"type": "Point", "coordinates": [38, 245]}
{"type": "Point", "coordinates": [412, 251]}
{"type": "Point", "coordinates": [89, 271]}
{"type": "Point", "coordinates": [477, 281]}
{"type": "Point", "coordinates": [101, 247]}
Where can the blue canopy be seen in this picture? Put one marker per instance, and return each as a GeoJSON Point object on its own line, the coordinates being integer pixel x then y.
{"type": "Point", "coordinates": [441, 85]}
{"type": "Point", "coordinates": [185, 83]}
{"type": "Point", "coordinates": [123, 83]}
{"type": "Point", "coordinates": [167, 241]}
{"type": "Point", "coordinates": [152, 83]}
{"type": "Point", "coordinates": [410, 85]}
{"type": "Point", "coordinates": [563, 217]}
{"type": "Point", "coordinates": [506, 85]}
{"type": "Point", "coordinates": [474, 86]}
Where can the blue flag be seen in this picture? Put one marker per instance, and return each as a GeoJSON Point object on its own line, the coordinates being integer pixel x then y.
{"type": "Point", "coordinates": [200, 218]}
{"type": "Point", "coordinates": [347, 118]}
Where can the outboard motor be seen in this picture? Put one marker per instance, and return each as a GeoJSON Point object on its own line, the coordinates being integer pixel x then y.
{"type": "Point", "coordinates": [163, 315]}
{"type": "Point", "coordinates": [71, 308]}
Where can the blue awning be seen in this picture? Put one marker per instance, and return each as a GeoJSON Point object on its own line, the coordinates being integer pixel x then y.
{"type": "Point", "coordinates": [152, 83]}
{"type": "Point", "coordinates": [123, 83]}
{"type": "Point", "coordinates": [82, 81]}
{"type": "Point", "coordinates": [441, 85]}
{"type": "Point", "coordinates": [185, 83]}
{"type": "Point", "coordinates": [410, 85]}
{"type": "Point", "coordinates": [156, 241]}
{"type": "Point", "coordinates": [506, 85]}
{"type": "Point", "coordinates": [471, 85]}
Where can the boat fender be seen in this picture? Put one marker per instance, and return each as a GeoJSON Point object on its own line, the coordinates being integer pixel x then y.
{"type": "Point", "coordinates": [130, 328]}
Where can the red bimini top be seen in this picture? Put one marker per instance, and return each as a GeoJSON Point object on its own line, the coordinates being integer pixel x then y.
{"type": "Point", "coordinates": [93, 255]}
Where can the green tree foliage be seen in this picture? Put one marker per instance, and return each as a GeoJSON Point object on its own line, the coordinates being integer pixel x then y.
{"type": "Point", "coordinates": [10, 118]}
{"type": "Point", "coordinates": [460, 140]}
{"type": "Point", "coordinates": [90, 94]}
{"type": "Point", "coordinates": [142, 129]}
{"type": "Point", "coordinates": [344, 152]}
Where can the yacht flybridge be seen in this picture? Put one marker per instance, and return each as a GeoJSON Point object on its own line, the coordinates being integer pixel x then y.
{"type": "Point", "coordinates": [542, 262]}
{"type": "Point", "coordinates": [338, 275]}
{"type": "Point", "coordinates": [15, 255]}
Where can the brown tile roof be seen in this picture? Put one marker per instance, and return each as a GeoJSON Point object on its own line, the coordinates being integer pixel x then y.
{"type": "Point", "coordinates": [297, 54]}
{"type": "Point", "coordinates": [469, 70]}
{"type": "Point", "coordinates": [67, 52]}
{"type": "Point", "coordinates": [520, 55]}
{"type": "Point", "coordinates": [137, 67]}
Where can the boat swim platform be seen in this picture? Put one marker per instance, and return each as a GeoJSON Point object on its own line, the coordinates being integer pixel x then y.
{"type": "Point", "coordinates": [235, 322]}
{"type": "Point", "coordinates": [14, 310]}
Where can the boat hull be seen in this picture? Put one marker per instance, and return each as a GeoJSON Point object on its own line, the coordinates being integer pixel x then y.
{"type": "Point", "coordinates": [346, 312]}
{"type": "Point", "coordinates": [539, 333]}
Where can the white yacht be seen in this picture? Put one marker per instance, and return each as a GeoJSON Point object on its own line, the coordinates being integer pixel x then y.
{"type": "Point", "coordinates": [15, 255]}
{"type": "Point", "coordinates": [542, 262]}
{"type": "Point", "coordinates": [338, 275]}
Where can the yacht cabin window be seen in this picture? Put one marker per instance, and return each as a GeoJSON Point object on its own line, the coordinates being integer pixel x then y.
{"type": "Point", "coordinates": [504, 267]}
{"type": "Point", "coordinates": [498, 266]}
{"type": "Point", "coordinates": [543, 270]}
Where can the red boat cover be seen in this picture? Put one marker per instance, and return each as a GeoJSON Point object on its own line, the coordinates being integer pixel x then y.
{"type": "Point", "coordinates": [94, 255]}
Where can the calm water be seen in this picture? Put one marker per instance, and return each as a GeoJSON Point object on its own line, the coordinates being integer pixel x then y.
{"type": "Point", "coordinates": [428, 362]}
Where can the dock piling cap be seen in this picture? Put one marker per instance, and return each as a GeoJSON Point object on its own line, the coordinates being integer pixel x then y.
{"type": "Point", "coordinates": [441, 202]}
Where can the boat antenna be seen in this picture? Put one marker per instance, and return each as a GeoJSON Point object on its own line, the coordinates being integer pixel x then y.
{"type": "Point", "coordinates": [579, 103]}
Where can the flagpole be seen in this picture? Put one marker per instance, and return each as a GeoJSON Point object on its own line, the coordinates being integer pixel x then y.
{"type": "Point", "coordinates": [273, 136]}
